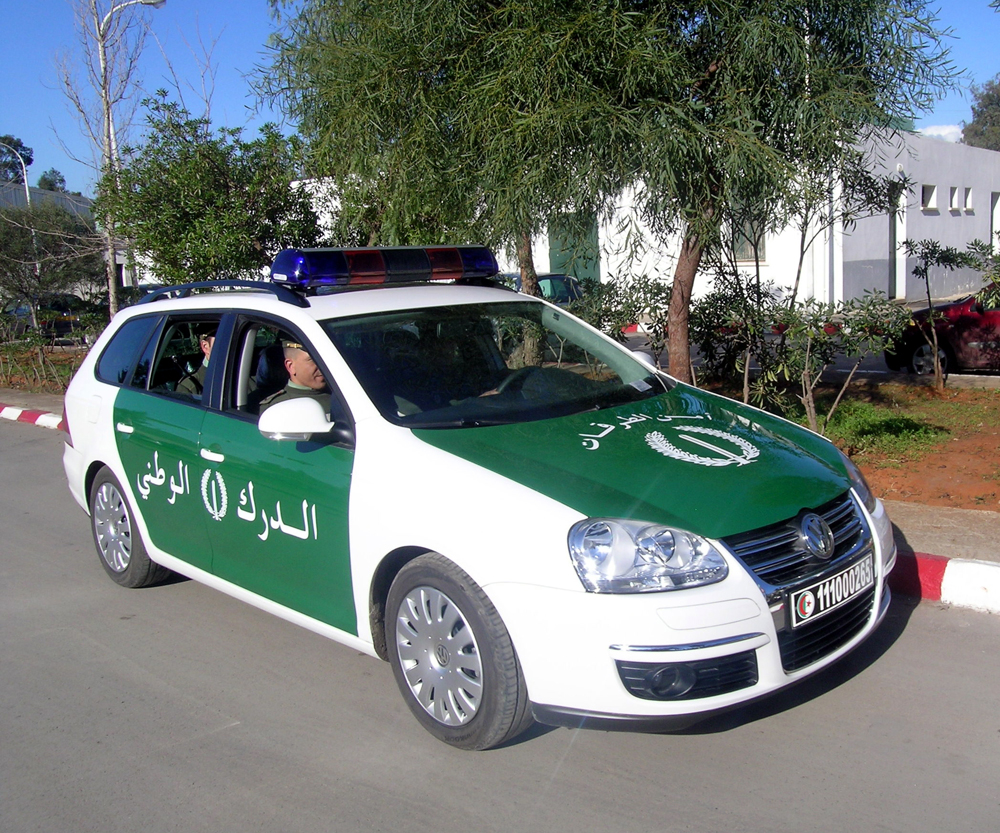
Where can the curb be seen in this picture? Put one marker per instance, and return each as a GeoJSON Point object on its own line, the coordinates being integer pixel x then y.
{"type": "Point", "coordinates": [43, 419]}
{"type": "Point", "coordinates": [960, 582]}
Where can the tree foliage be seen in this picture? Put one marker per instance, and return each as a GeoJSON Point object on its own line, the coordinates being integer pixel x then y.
{"type": "Point", "coordinates": [929, 255]}
{"type": "Point", "coordinates": [480, 120]}
{"type": "Point", "coordinates": [790, 344]}
{"type": "Point", "coordinates": [10, 149]}
{"type": "Point", "coordinates": [496, 115]}
{"type": "Point", "coordinates": [52, 180]}
{"type": "Point", "coordinates": [984, 129]}
{"type": "Point", "coordinates": [46, 249]}
{"type": "Point", "coordinates": [198, 203]}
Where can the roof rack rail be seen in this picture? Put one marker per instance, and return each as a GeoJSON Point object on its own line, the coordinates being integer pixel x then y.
{"type": "Point", "coordinates": [184, 290]}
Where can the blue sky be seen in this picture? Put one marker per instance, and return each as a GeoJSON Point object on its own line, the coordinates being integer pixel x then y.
{"type": "Point", "coordinates": [34, 109]}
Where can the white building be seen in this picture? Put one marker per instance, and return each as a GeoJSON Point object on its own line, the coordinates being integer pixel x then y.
{"type": "Point", "coordinates": [953, 199]}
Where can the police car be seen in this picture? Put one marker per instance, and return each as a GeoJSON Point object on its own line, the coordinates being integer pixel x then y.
{"type": "Point", "coordinates": [525, 519]}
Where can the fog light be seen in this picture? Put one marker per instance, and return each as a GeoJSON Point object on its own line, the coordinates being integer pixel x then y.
{"type": "Point", "coordinates": [672, 681]}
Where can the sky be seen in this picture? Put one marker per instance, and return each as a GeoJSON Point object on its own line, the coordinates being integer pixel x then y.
{"type": "Point", "coordinates": [34, 109]}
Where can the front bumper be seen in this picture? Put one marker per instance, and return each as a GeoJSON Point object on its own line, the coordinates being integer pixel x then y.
{"type": "Point", "coordinates": [676, 657]}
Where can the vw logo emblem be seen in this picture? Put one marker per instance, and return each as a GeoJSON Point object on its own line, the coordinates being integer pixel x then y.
{"type": "Point", "coordinates": [817, 537]}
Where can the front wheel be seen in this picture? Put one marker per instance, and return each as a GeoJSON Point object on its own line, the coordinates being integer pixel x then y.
{"type": "Point", "coordinates": [116, 537]}
{"type": "Point", "coordinates": [452, 657]}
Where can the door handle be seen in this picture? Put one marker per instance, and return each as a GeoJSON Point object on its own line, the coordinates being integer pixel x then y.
{"type": "Point", "coordinates": [124, 428]}
{"type": "Point", "coordinates": [212, 456]}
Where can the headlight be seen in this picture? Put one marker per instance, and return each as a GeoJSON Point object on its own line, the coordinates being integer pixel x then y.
{"type": "Point", "coordinates": [623, 556]}
{"type": "Point", "coordinates": [859, 483]}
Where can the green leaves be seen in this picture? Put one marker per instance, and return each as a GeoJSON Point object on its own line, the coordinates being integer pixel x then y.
{"type": "Point", "coordinates": [198, 203]}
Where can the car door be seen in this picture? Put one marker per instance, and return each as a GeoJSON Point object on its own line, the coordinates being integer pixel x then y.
{"type": "Point", "coordinates": [280, 527]}
{"type": "Point", "coordinates": [981, 336]}
{"type": "Point", "coordinates": [156, 430]}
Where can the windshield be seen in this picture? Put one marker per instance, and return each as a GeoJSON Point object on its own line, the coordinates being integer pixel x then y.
{"type": "Point", "coordinates": [486, 364]}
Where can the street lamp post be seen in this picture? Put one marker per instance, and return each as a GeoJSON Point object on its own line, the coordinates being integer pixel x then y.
{"type": "Point", "coordinates": [109, 149]}
{"type": "Point", "coordinates": [31, 223]}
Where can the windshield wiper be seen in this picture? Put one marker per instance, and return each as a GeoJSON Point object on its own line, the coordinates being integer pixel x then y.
{"type": "Point", "coordinates": [464, 422]}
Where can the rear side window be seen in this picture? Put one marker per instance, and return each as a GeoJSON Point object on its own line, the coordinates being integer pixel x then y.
{"type": "Point", "coordinates": [120, 354]}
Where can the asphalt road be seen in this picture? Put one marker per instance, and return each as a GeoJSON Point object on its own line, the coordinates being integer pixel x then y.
{"type": "Point", "coordinates": [176, 708]}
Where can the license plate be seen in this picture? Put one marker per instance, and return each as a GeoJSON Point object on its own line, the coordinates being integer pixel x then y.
{"type": "Point", "coordinates": [825, 596]}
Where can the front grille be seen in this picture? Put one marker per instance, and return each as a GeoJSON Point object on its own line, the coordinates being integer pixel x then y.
{"type": "Point", "coordinates": [775, 555]}
{"type": "Point", "coordinates": [781, 565]}
{"type": "Point", "coordinates": [689, 680]}
{"type": "Point", "coordinates": [812, 642]}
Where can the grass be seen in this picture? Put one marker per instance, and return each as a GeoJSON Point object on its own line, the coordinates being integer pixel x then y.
{"type": "Point", "coordinates": [863, 427]}
{"type": "Point", "coordinates": [895, 424]}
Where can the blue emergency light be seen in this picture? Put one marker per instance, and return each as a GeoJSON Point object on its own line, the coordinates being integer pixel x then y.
{"type": "Point", "coordinates": [313, 268]}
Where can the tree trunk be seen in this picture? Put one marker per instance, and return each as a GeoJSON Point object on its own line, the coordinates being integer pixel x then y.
{"type": "Point", "coordinates": [531, 340]}
{"type": "Point", "coordinates": [526, 263]}
{"type": "Point", "coordinates": [678, 341]}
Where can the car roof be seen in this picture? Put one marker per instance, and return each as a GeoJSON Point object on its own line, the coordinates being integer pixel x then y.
{"type": "Point", "coordinates": [339, 304]}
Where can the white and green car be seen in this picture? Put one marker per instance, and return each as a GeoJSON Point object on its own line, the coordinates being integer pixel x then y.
{"type": "Point", "coordinates": [524, 518]}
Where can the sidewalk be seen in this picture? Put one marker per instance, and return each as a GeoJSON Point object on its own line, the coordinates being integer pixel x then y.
{"type": "Point", "coordinates": [947, 555]}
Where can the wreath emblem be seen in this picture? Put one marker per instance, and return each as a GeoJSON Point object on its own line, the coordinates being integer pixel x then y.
{"type": "Point", "coordinates": [213, 493]}
{"type": "Point", "coordinates": [747, 452]}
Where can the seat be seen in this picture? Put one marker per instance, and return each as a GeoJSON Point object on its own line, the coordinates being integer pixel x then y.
{"type": "Point", "coordinates": [271, 376]}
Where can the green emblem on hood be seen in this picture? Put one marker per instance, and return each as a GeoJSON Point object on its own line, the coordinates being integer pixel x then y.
{"type": "Point", "coordinates": [686, 458]}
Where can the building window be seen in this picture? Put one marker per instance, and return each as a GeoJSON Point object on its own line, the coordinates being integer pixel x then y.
{"type": "Point", "coordinates": [967, 203]}
{"type": "Point", "coordinates": [953, 198]}
{"type": "Point", "coordinates": [928, 197]}
{"type": "Point", "coordinates": [743, 245]}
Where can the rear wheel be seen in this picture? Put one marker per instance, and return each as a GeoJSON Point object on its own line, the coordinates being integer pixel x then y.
{"type": "Point", "coordinates": [922, 359]}
{"type": "Point", "coordinates": [452, 657]}
{"type": "Point", "coordinates": [116, 537]}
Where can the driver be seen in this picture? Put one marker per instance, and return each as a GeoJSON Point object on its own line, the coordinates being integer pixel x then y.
{"type": "Point", "coordinates": [305, 379]}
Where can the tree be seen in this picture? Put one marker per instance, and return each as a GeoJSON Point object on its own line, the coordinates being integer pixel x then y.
{"type": "Point", "coordinates": [474, 119]}
{"type": "Point", "coordinates": [770, 90]}
{"type": "Point", "coordinates": [11, 169]}
{"type": "Point", "coordinates": [200, 203]}
{"type": "Point", "coordinates": [111, 38]}
{"type": "Point", "coordinates": [46, 249]}
{"type": "Point", "coordinates": [504, 114]}
{"type": "Point", "coordinates": [52, 180]}
{"type": "Point", "coordinates": [984, 129]}
{"type": "Point", "coordinates": [929, 254]}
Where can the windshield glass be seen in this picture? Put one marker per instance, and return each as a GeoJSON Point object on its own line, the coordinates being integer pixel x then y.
{"type": "Point", "coordinates": [486, 364]}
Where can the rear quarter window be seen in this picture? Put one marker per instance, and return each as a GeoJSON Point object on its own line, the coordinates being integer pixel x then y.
{"type": "Point", "coordinates": [118, 357]}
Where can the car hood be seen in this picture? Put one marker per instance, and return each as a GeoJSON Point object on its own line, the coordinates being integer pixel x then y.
{"type": "Point", "coordinates": [685, 458]}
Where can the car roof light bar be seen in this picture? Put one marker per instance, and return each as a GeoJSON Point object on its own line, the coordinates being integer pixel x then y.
{"type": "Point", "coordinates": [313, 268]}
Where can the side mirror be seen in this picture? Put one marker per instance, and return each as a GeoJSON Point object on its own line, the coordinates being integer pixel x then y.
{"type": "Point", "coordinates": [646, 358]}
{"type": "Point", "coordinates": [296, 419]}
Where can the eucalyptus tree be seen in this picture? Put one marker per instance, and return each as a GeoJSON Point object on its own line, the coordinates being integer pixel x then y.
{"type": "Point", "coordinates": [495, 116]}
{"type": "Point", "coordinates": [480, 120]}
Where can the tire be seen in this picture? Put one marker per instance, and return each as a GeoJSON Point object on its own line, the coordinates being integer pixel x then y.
{"type": "Point", "coordinates": [119, 546]}
{"type": "Point", "coordinates": [452, 657]}
{"type": "Point", "coordinates": [922, 359]}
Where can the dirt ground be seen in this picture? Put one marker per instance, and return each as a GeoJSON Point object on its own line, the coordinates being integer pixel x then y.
{"type": "Point", "coordinates": [962, 471]}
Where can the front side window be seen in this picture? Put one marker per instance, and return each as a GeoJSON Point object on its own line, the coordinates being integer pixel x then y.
{"type": "Point", "coordinates": [486, 364]}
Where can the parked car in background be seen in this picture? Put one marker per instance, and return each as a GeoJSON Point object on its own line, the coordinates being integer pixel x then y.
{"type": "Point", "coordinates": [561, 290]}
{"type": "Point", "coordinates": [968, 332]}
{"type": "Point", "coordinates": [60, 315]}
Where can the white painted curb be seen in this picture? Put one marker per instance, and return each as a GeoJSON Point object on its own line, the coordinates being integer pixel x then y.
{"type": "Point", "coordinates": [972, 584]}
